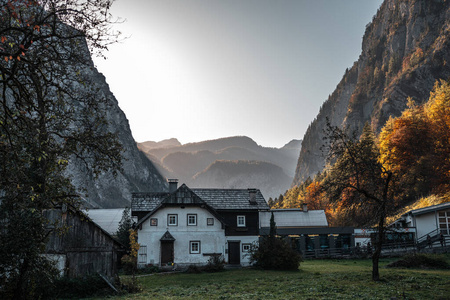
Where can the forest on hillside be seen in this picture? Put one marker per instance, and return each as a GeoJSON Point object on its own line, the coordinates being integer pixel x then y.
{"type": "Point", "coordinates": [413, 148]}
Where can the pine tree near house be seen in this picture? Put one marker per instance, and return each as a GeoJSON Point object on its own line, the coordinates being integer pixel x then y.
{"type": "Point", "coordinates": [123, 232]}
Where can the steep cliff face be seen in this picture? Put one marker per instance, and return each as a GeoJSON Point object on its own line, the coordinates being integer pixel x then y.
{"type": "Point", "coordinates": [138, 174]}
{"type": "Point", "coordinates": [405, 49]}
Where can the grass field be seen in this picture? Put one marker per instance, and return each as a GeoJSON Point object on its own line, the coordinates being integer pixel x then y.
{"type": "Point", "coordinates": [316, 279]}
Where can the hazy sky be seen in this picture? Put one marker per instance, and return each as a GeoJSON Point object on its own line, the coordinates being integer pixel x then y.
{"type": "Point", "coordinates": [205, 69]}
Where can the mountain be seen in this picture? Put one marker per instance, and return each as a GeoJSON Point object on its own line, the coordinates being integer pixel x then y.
{"type": "Point", "coordinates": [190, 162]}
{"type": "Point", "coordinates": [269, 178]}
{"type": "Point", "coordinates": [145, 146]}
{"type": "Point", "coordinates": [405, 49]}
{"type": "Point", "coordinates": [138, 174]}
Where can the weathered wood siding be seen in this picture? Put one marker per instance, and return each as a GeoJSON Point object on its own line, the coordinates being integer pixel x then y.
{"type": "Point", "coordinates": [88, 248]}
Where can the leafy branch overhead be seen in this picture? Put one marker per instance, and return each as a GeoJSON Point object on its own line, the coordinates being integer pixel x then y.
{"type": "Point", "coordinates": [51, 113]}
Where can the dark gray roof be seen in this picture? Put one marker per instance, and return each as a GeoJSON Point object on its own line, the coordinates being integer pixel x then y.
{"type": "Point", "coordinates": [218, 199]}
{"type": "Point", "coordinates": [146, 201]}
{"type": "Point", "coordinates": [232, 199]}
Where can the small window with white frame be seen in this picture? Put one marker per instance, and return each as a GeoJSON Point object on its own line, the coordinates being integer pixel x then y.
{"type": "Point", "coordinates": [210, 221]}
{"type": "Point", "coordinates": [192, 220]}
{"type": "Point", "coordinates": [172, 220]}
{"type": "Point", "coordinates": [246, 247]}
{"type": "Point", "coordinates": [194, 247]}
{"type": "Point", "coordinates": [153, 222]}
{"type": "Point", "coordinates": [241, 221]}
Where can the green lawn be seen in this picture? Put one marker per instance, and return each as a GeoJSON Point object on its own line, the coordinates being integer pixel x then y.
{"type": "Point", "coordinates": [316, 279]}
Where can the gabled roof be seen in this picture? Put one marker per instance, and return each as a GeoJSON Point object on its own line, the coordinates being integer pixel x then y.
{"type": "Point", "coordinates": [428, 209]}
{"type": "Point", "coordinates": [233, 199]}
{"type": "Point", "coordinates": [183, 196]}
{"type": "Point", "coordinates": [167, 237]}
{"type": "Point", "coordinates": [146, 201]}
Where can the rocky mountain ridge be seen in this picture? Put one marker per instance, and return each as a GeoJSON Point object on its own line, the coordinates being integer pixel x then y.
{"type": "Point", "coordinates": [138, 173]}
{"type": "Point", "coordinates": [405, 49]}
{"type": "Point", "coordinates": [233, 162]}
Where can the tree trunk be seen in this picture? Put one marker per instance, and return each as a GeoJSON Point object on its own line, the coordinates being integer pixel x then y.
{"type": "Point", "coordinates": [378, 244]}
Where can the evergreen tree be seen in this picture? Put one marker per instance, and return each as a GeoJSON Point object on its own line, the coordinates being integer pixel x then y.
{"type": "Point", "coordinates": [123, 232]}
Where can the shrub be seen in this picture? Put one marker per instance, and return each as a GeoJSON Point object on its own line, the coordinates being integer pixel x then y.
{"type": "Point", "coordinates": [128, 264]}
{"type": "Point", "coordinates": [130, 285]}
{"type": "Point", "coordinates": [422, 261]}
{"type": "Point", "coordinates": [275, 254]}
{"type": "Point", "coordinates": [215, 263]}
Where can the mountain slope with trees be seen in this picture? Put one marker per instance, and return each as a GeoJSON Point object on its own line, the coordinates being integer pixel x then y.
{"type": "Point", "coordinates": [405, 50]}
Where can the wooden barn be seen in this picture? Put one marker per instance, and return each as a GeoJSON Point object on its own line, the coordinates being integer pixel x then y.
{"type": "Point", "coordinates": [79, 246]}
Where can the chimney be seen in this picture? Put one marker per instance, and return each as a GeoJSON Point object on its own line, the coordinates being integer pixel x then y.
{"type": "Point", "coordinates": [173, 185]}
{"type": "Point", "coordinates": [305, 207]}
{"type": "Point", "coordinates": [252, 194]}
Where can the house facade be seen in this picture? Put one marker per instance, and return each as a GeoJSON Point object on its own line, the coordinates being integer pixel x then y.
{"type": "Point", "coordinates": [188, 226]}
{"type": "Point", "coordinates": [429, 221]}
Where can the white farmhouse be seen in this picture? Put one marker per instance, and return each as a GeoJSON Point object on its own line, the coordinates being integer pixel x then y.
{"type": "Point", "coordinates": [188, 226]}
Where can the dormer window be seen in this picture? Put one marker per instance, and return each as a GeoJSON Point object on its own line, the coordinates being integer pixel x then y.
{"type": "Point", "coordinates": [241, 221]}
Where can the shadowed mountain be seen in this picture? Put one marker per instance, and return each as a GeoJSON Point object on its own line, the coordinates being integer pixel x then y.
{"type": "Point", "coordinates": [185, 161]}
{"type": "Point", "coordinates": [269, 178]}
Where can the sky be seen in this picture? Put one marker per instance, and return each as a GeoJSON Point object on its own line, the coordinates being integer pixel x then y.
{"type": "Point", "coordinates": [198, 70]}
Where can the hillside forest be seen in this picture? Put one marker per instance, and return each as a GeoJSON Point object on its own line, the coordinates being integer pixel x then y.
{"type": "Point", "coordinates": [413, 147]}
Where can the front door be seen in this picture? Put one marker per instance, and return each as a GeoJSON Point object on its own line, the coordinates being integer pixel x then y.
{"type": "Point", "coordinates": [166, 252]}
{"type": "Point", "coordinates": [234, 253]}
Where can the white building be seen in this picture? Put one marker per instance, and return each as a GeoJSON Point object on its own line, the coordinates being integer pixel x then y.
{"type": "Point", "coordinates": [427, 221]}
{"type": "Point", "coordinates": [188, 226]}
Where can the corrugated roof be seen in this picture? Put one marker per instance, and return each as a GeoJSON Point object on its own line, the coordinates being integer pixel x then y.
{"type": "Point", "coordinates": [108, 219]}
{"type": "Point", "coordinates": [294, 218]}
{"type": "Point", "coordinates": [427, 209]}
{"type": "Point", "coordinates": [232, 199]}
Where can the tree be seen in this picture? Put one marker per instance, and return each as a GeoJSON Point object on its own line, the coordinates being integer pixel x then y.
{"type": "Point", "coordinates": [123, 232]}
{"type": "Point", "coordinates": [51, 112]}
{"type": "Point", "coordinates": [273, 253]}
{"type": "Point", "coordinates": [358, 179]}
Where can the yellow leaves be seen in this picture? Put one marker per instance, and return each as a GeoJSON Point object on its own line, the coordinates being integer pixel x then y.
{"type": "Point", "coordinates": [134, 245]}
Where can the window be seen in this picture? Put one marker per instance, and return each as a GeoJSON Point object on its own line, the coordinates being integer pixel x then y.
{"type": "Point", "coordinates": [241, 221]}
{"type": "Point", "coordinates": [210, 221]}
{"type": "Point", "coordinates": [142, 254]}
{"type": "Point", "coordinates": [194, 247]}
{"type": "Point", "coordinates": [192, 220]}
{"type": "Point", "coordinates": [444, 222]}
{"type": "Point", "coordinates": [153, 222]}
{"type": "Point", "coordinates": [172, 220]}
{"type": "Point", "coordinates": [246, 247]}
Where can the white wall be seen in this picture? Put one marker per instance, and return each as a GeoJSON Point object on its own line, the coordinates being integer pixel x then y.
{"type": "Point", "coordinates": [425, 223]}
{"type": "Point", "coordinates": [212, 238]}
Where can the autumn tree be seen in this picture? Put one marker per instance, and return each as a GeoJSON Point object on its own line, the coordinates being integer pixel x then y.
{"type": "Point", "coordinates": [360, 180]}
{"type": "Point", "coordinates": [51, 112]}
{"type": "Point", "coordinates": [437, 110]}
{"type": "Point", "coordinates": [416, 146]}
